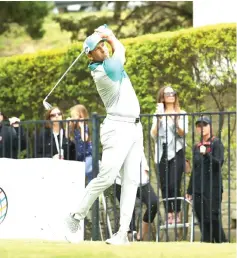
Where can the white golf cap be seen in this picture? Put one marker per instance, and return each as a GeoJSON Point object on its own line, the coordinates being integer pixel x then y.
{"type": "Point", "coordinates": [91, 42]}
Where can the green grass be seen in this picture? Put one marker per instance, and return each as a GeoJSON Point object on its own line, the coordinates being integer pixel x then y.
{"type": "Point", "coordinates": [38, 249]}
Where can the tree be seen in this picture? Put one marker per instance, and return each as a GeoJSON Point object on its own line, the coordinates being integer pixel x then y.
{"type": "Point", "coordinates": [29, 15]}
{"type": "Point", "coordinates": [130, 21]}
{"type": "Point", "coordinates": [153, 17]}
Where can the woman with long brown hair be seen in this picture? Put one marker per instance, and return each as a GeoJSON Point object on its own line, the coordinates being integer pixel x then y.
{"type": "Point", "coordinates": [168, 130]}
{"type": "Point", "coordinates": [53, 141]}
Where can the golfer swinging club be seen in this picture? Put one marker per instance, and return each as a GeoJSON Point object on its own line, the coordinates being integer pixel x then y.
{"type": "Point", "coordinates": [121, 133]}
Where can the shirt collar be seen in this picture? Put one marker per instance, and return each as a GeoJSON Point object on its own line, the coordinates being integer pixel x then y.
{"type": "Point", "coordinates": [93, 65]}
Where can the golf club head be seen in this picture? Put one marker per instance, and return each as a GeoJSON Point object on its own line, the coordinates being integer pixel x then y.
{"type": "Point", "coordinates": [46, 105]}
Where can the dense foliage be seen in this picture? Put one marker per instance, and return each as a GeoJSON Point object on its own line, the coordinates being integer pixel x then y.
{"type": "Point", "coordinates": [129, 20]}
{"type": "Point", "coordinates": [197, 62]}
{"type": "Point", "coordinates": [27, 14]}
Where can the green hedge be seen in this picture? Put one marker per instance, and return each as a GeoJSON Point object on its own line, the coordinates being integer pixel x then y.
{"type": "Point", "coordinates": [199, 63]}
{"type": "Point", "coordinates": [152, 61]}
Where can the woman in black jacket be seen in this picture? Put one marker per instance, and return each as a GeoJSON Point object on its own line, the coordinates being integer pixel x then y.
{"type": "Point", "coordinates": [52, 141]}
{"type": "Point", "coordinates": [205, 186]}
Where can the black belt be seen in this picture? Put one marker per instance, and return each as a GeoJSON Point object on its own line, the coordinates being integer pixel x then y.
{"type": "Point", "coordinates": [123, 119]}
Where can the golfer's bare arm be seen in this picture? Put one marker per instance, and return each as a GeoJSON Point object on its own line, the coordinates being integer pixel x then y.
{"type": "Point", "coordinates": [118, 49]}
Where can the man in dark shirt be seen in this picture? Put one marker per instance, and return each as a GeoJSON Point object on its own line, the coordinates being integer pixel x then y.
{"type": "Point", "coordinates": [12, 137]}
{"type": "Point", "coordinates": [205, 186]}
{"type": "Point", "coordinates": [8, 138]}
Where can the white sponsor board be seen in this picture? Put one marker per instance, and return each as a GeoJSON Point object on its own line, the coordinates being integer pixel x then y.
{"type": "Point", "coordinates": [40, 193]}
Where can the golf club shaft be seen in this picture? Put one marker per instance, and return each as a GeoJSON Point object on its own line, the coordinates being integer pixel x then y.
{"type": "Point", "coordinates": [64, 74]}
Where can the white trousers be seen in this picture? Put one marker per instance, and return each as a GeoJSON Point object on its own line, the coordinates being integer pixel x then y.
{"type": "Point", "coordinates": [122, 144]}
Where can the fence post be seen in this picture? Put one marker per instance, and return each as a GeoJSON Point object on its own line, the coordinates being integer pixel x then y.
{"type": "Point", "coordinates": [95, 165]}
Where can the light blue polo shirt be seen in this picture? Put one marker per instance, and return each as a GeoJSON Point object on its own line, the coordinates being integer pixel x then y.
{"type": "Point", "coordinates": [114, 85]}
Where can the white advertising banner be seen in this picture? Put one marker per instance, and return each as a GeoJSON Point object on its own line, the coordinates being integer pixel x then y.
{"type": "Point", "coordinates": [36, 195]}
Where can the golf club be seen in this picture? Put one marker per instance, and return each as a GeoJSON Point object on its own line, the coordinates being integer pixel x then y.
{"type": "Point", "coordinates": [45, 103]}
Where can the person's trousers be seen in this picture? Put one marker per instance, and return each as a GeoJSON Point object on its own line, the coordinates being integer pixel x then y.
{"type": "Point", "coordinates": [147, 196]}
{"type": "Point", "coordinates": [122, 144]}
{"type": "Point", "coordinates": [170, 175]}
{"type": "Point", "coordinates": [209, 219]}
{"type": "Point", "coordinates": [88, 168]}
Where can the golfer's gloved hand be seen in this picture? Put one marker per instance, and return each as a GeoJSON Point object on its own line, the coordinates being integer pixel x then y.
{"type": "Point", "coordinates": [104, 31]}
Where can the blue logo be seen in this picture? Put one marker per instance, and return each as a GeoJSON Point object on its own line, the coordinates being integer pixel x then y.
{"type": "Point", "coordinates": [3, 205]}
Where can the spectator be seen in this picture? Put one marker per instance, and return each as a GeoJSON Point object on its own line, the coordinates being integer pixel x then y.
{"type": "Point", "coordinates": [52, 141]}
{"type": "Point", "coordinates": [205, 186]}
{"type": "Point", "coordinates": [146, 194]}
{"type": "Point", "coordinates": [10, 136]}
{"type": "Point", "coordinates": [168, 130]}
{"type": "Point", "coordinates": [79, 134]}
{"type": "Point", "coordinates": [21, 139]}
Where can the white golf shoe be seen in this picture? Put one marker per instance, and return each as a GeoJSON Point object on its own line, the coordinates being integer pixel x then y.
{"type": "Point", "coordinates": [118, 238]}
{"type": "Point", "coordinates": [72, 229]}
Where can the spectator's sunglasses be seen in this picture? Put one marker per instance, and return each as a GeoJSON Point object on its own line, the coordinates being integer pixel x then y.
{"type": "Point", "coordinates": [169, 94]}
{"type": "Point", "coordinates": [56, 114]}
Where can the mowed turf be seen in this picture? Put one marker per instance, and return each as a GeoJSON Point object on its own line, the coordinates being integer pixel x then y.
{"type": "Point", "coordinates": [39, 249]}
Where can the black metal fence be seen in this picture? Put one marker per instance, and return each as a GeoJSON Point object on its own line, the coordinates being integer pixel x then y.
{"type": "Point", "coordinates": [163, 210]}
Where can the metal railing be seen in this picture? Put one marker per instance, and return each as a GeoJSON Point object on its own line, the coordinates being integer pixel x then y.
{"type": "Point", "coordinates": [23, 142]}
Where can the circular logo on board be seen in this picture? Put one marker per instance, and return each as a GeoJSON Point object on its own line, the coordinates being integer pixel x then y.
{"type": "Point", "coordinates": [3, 205]}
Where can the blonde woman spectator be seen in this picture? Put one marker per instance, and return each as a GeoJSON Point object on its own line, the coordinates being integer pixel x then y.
{"type": "Point", "coordinates": [169, 148]}
{"type": "Point", "coordinates": [79, 134]}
